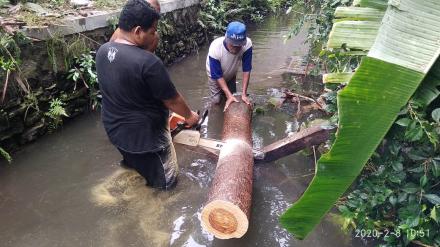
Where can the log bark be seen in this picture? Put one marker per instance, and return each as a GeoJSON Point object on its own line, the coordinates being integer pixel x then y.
{"type": "Point", "coordinates": [294, 143]}
{"type": "Point", "coordinates": [226, 213]}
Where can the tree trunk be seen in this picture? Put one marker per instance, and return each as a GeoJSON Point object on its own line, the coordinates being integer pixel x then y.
{"type": "Point", "coordinates": [226, 214]}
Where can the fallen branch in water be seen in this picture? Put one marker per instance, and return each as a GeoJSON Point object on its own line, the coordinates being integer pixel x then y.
{"type": "Point", "coordinates": [6, 85]}
{"type": "Point", "coordinates": [289, 94]}
{"type": "Point", "coordinates": [421, 244]}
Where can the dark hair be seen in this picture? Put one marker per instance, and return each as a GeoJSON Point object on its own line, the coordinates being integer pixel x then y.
{"type": "Point", "coordinates": [137, 13]}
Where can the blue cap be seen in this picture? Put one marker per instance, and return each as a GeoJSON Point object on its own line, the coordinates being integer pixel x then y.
{"type": "Point", "coordinates": [236, 34]}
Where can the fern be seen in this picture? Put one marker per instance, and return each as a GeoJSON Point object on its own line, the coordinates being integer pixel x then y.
{"type": "Point", "coordinates": [56, 113]}
{"type": "Point", "coordinates": [56, 109]}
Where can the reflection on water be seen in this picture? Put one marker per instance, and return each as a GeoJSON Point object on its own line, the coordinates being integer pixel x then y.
{"type": "Point", "coordinates": [67, 189]}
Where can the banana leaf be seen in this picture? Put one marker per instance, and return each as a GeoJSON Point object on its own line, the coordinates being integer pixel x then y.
{"type": "Point", "coordinates": [404, 51]}
{"type": "Point", "coordinates": [358, 35]}
{"type": "Point", "coordinates": [428, 91]}
{"type": "Point", "coordinates": [358, 14]}
{"type": "Point", "coordinates": [425, 94]}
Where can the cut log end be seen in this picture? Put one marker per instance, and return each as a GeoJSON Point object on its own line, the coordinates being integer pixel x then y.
{"type": "Point", "coordinates": [224, 219]}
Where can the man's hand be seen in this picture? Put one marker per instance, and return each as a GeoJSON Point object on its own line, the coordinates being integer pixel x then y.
{"type": "Point", "coordinates": [193, 119]}
{"type": "Point", "coordinates": [229, 101]}
{"type": "Point", "coordinates": [178, 105]}
{"type": "Point", "coordinates": [245, 99]}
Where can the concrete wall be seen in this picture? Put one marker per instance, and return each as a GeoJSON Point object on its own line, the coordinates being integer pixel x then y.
{"type": "Point", "coordinates": [23, 116]}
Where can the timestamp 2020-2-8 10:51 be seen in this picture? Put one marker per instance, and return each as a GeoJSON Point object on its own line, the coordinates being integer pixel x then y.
{"type": "Point", "coordinates": [374, 233]}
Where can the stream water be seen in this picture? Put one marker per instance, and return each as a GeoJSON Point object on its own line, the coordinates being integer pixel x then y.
{"type": "Point", "coordinates": [66, 189]}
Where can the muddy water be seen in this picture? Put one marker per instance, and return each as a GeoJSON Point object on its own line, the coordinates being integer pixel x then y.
{"type": "Point", "coordinates": [67, 189]}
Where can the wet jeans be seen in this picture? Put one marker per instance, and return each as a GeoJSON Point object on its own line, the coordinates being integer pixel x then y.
{"type": "Point", "coordinates": [158, 168]}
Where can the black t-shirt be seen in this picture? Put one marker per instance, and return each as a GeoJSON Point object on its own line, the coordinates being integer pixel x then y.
{"type": "Point", "coordinates": [133, 83]}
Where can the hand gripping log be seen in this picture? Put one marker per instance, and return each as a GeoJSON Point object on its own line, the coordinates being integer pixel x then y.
{"type": "Point", "coordinates": [226, 213]}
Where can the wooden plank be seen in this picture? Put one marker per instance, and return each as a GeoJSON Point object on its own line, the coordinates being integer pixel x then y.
{"type": "Point", "coordinates": [294, 143]}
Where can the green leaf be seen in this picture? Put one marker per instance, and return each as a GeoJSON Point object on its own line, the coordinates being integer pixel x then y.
{"type": "Point", "coordinates": [397, 177]}
{"type": "Point", "coordinates": [428, 90]}
{"type": "Point", "coordinates": [357, 35]}
{"type": "Point", "coordinates": [435, 168]}
{"type": "Point", "coordinates": [436, 115]}
{"type": "Point", "coordinates": [337, 77]}
{"type": "Point", "coordinates": [392, 200]}
{"type": "Point", "coordinates": [404, 122]}
{"type": "Point", "coordinates": [402, 197]}
{"type": "Point", "coordinates": [416, 157]}
{"type": "Point", "coordinates": [434, 199]}
{"type": "Point", "coordinates": [433, 214]}
{"type": "Point", "coordinates": [359, 14]}
{"type": "Point", "coordinates": [423, 181]}
{"type": "Point", "coordinates": [378, 4]}
{"type": "Point", "coordinates": [410, 188]}
{"type": "Point", "coordinates": [397, 166]}
{"type": "Point", "coordinates": [3, 2]}
{"type": "Point", "coordinates": [418, 169]}
{"type": "Point", "coordinates": [414, 134]}
{"type": "Point", "coordinates": [5, 155]}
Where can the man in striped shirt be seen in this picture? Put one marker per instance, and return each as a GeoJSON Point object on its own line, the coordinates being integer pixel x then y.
{"type": "Point", "coordinates": [224, 58]}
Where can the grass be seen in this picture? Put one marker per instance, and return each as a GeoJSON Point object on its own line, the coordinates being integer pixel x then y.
{"type": "Point", "coordinates": [109, 3]}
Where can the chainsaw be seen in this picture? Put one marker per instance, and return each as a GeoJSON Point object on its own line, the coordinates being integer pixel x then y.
{"type": "Point", "coordinates": [191, 136]}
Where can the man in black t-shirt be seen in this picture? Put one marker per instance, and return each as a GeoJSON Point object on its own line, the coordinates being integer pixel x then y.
{"type": "Point", "coordinates": [137, 96]}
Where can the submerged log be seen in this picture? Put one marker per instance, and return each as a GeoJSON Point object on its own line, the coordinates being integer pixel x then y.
{"type": "Point", "coordinates": [226, 213]}
{"type": "Point", "coordinates": [306, 138]}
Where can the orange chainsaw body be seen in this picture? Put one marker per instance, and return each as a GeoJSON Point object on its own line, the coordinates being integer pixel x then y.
{"type": "Point", "coordinates": [174, 119]}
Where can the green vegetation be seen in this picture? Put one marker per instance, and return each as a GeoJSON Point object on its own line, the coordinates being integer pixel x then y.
{"type": "Point", "coordinates": [48, 103]}
{"type": "Point", "coordinates": [7, 65]}
{"type": "Point", "coordinates": [56, 113]}
{"type": "Point", "coordinates": [62, 52]}
{"type": "Point", "coordinates": [109, 3]}
{"type": "Point", "coordinates": [84, 70]}
{"type": "Point", "coordinates": [58, 3]}
{"type": "Point", "coordinates": [319, 14]}
{"type": "Point", "coordinates": [10, 62]}
{"type": "Point", "coordinates": [114, 21]}
{"type": "Point", "coordinates": [215, 15]}
{"type": "Point", "coordinates": [5, 155]}
{"type": "Point", "coordinates": [398, 189]}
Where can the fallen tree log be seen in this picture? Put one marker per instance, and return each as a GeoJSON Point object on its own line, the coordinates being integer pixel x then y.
{"type": "Point", "coordinates": [226, 213]}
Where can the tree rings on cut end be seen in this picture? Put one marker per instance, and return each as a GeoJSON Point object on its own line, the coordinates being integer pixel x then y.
{"type": "Point", "coordinates": [224, 219]}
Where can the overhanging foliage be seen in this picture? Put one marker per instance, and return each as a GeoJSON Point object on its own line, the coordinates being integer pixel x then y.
{"type": "Point", "coordinates": [403, 53]}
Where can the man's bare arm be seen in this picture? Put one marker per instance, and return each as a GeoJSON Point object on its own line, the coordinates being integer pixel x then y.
{"type": "Point", "coordinates": [246, 77]}
{"type": "Point", "coordinates": [178, 105]}
{"type": "Point", "coordinates": [229, 97]}
{"type": "Point", "coordinates": [222, 83]}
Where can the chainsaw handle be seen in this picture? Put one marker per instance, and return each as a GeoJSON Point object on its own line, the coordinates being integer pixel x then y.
{"type": "Point", "coordinates": [182, 125]}
{"type": "Point", "coordinates": [201, 120]}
